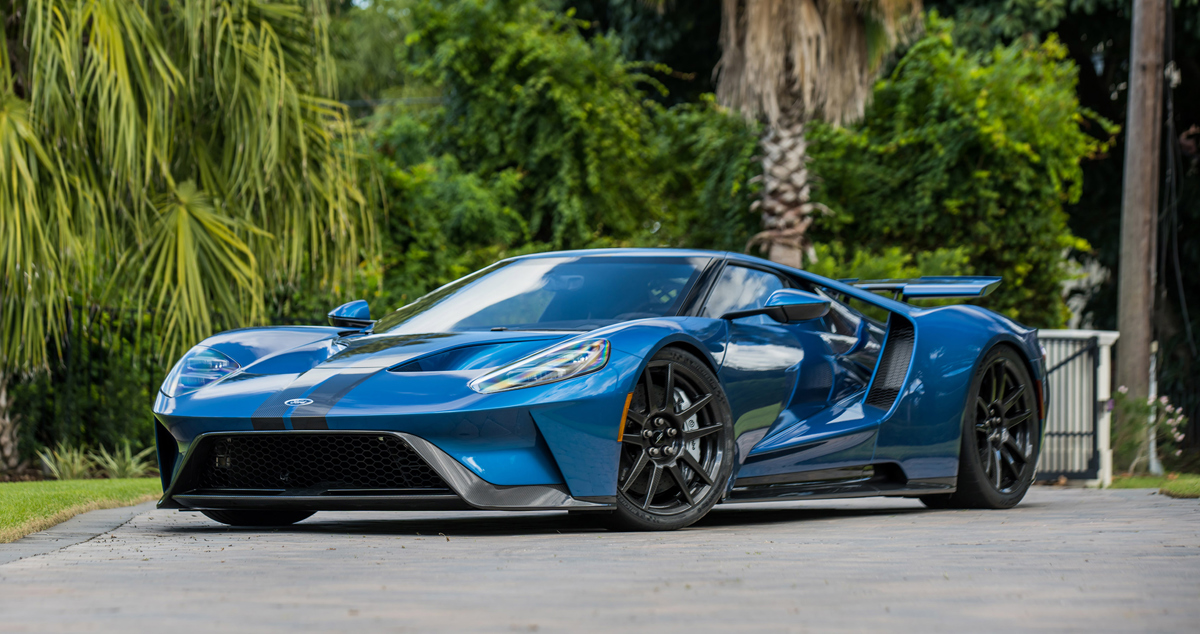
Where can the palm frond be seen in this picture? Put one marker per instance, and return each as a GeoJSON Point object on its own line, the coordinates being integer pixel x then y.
{"type": "Point", "coordinates": [196, 270]}
{"type": "Point", "coordinates": [181, 154]}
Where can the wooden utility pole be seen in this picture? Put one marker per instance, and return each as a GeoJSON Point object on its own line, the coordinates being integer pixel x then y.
{"type": "Point", "coordinates": [1139, 198]}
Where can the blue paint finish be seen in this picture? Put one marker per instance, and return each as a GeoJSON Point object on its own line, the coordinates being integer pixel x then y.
{"type": "Point", "coordinates": [357, 310]}
{"type": "Point", "coordinates": [924, 429]}
{"type": "Point", "coordinates": [796, 391]}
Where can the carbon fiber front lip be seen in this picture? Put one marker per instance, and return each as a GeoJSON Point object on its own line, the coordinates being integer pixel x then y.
{"type": "Point", "coordinates": [467, 487]}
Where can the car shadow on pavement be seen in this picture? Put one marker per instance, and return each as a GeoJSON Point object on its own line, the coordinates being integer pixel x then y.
{"type": "Point", "coordinates": [494, 524]}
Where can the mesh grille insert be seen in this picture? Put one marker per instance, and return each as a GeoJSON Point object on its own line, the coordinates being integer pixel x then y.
{"type": "Point", "coordinates": [301, 461]}
{"type": "Point", "coordinates": [893, 364]}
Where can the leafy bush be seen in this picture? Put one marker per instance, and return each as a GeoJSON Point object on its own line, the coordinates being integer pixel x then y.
{"type": "Point", "coordinates": [544, 139]}
{"type": "Point", "coordinates": [962, 151]}
{"type": "Point", "coordinates": [836, 261]}
{"type": "Point", "coordinates": [708, 168]}
{"type": "Point", "coordinates": [98, 394]}
{"type": "Point", "coordinates": [1139, 419]}
{"type": "Point", "coordinates": [67, 463]}
{"type": "Point", "coordinates": [524, 92]}
{"type": "Point", "coordinates": [124, 463]}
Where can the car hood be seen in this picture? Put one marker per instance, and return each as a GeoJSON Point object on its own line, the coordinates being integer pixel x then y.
{"type": "Point", "coordinates": [336, 363]}
{"type": "Point", "coordinates": [428, 352]}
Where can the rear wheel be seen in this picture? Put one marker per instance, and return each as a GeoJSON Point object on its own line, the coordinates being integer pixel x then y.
{"type": "Point", "coordinates": [1000, 437]}
{"type": "Point", "coordinates": [677, 448]}
{"type": "Point", "coordinates": [258, 518]}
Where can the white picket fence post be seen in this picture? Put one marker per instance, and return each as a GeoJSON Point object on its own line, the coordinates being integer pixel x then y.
{"type": "Point", "coordinates": [1078, 423]}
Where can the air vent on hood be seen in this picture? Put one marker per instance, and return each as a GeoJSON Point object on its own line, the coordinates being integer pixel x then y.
{"type": "Point", "coordinates": [893, 363]}
{"type": "Point", "coordinates": [476, 357]}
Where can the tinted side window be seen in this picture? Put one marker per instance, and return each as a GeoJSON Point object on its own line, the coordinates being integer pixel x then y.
{"type": "Point", "coordinates": [740, 288]}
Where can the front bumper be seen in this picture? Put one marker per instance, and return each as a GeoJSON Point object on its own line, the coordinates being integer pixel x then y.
{"type": "Point", "coordinates": [459, 488]}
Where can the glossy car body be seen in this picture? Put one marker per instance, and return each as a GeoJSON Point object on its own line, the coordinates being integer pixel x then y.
{"type": "Point", "coordinates": [834, 407]}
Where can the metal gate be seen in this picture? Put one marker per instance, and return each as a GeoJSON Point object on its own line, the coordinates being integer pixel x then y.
{"type": "Point", "coordinates": [1078, 422]}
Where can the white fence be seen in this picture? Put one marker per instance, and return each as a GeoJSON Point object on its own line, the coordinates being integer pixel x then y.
{"type": "Point", "coordinates": [1078, 422]}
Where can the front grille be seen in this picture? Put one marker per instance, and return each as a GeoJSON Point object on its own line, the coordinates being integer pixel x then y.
{"type": "Point", "coordinates": [308, 461]}
{"type": "Point", "coordinates": [893, 363]}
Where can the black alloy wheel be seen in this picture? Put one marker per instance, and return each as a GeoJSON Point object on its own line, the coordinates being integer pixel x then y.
{"type": "Point", "coordinates": [1000, 437]}
{"type": "Point", "coordinates": [258, 518]}
{"type": "Point", "coordinates": [677, 446]}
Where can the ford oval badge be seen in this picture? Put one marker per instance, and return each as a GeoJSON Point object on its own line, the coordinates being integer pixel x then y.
{"type": "Point", "coordinates": [295, 402]}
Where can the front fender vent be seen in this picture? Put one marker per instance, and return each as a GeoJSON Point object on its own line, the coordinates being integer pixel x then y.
{"type": "Point", "coordinates": [893, 363]}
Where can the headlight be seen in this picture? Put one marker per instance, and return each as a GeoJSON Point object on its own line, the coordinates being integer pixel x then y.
{"type": "Point", "coordinates": [561, 362]}
{"type": "Point", "coordinates": [199, 367]}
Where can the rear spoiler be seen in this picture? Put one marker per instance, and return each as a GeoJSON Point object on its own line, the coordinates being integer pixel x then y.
{"type": "Point", "coordinates": [931, 287]}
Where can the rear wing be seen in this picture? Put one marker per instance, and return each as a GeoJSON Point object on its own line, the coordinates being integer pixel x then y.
{"type": "Point", "coordinates": [931, 287]}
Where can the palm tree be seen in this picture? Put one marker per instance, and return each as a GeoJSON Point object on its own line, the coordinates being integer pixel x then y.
{"type": "Point", "coordinates": [793, 61]}
{"type": "Point", "coordinates": [170, 157]}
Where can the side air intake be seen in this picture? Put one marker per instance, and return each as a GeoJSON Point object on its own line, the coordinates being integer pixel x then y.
{"type": "Point", "coordinates": [893, 363]}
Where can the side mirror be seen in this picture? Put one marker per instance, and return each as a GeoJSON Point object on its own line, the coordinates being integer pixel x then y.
{"type": "Point", "coordinates": [355, 314]}
{"type": "Point", "coordinates": [787, 306]}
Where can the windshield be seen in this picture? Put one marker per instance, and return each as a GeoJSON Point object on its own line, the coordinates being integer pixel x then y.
{"type": "Point", "coordinates": [567, 293]}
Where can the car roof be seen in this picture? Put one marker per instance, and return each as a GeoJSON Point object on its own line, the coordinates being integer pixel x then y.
{"type": "Point", "coordinates": [650, 252]}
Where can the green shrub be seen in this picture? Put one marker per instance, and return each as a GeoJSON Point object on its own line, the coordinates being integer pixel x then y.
{"type": "Point", "coordinates": [124, 463]}
{"type": "Point", "coordinates": [97, 393]}
{"type": "Point", "coordinates": [524, 92]}
{"type": "Point", "coordinates": [1139, 417]}
{"type": "Point", "coordinates": [543, 139]}
{"type": "Point", "coordinates": [962, 151]}
{"type": "Point", "coordinates": [67, 463]}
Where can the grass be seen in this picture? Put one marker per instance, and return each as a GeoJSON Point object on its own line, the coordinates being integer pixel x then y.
{"type": "Point", "coordinates": [1182, 485]}
{"type": "Point", "coordinates": [28, 507]}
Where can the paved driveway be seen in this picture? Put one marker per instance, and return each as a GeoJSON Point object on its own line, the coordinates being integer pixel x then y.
{"type": "Point", "coordinates": [1065, 560]}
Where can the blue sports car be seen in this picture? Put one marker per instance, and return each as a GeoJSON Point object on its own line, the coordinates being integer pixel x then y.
{"type": "Point", "coordinates": [641, 385]}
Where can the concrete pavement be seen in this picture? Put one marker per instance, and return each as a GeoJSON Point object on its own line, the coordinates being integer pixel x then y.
{"type": "Point", "coordinates": [1064, 560]}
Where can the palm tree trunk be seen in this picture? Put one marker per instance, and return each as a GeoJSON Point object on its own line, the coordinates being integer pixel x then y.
{"type": "Point", "coordinates": [10, 458]}
{"type": "Point", "coordinates": [785, 205]}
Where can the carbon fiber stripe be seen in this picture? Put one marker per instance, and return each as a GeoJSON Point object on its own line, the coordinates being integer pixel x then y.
{"type": "Point", "coordinates": [269, 415]}
{"type": "Point", "coordinates": [312, 416]}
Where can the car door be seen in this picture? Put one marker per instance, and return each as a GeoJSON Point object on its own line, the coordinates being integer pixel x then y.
{"type": "Point", "coordinates": [769, 369]}
{"type": "Point", "coordinates": [795, 388]}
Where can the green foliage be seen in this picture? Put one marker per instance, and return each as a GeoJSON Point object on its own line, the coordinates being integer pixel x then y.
{"type": "Point", "coordinates": [367, 42]}
{"type": "Point", "coordinates": [544, 139]}
{"type": "Point", "coordinates": [959, 151]}
{"type": "Point", "coordinates": [76, 462]}
{"type": "Point", "coordinates": [1139, 418]}
{"type": "Point", "coordinates": [177, 158]}
{"type": "Point", "coordinates": [67, 463]}
{"type": "Point", "coordinates": [124, 463]}
{"type": "Point", "coordinates": [836, 261]}
{"type": "Point", "coordinates": [524, 91]}
{"type": "Point", "coordinates": [446, 223]}
{"type": "Point", "coordinates": [706, 160]}
{"type": "Point", "coordinates": [99, 394]}
{"type": "Point", "coordinates": [680, 36]}
{"type": "Point", "coordinates": [983, 24]}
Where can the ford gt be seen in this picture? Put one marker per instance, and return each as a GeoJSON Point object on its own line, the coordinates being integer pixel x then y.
{"type": "Point", "coordinates": [642, 385]}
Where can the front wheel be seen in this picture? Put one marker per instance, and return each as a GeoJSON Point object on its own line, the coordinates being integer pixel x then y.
{"type": "Point", "coordinates": [1000, 437]}
{"type": "Point", "coordinates": [677, 447]}
{"type": "Point", "coordinates": [258, 518]}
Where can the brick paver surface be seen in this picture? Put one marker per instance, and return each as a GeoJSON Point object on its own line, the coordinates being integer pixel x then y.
{"type": "Point", "coordinates": [1064, 560]}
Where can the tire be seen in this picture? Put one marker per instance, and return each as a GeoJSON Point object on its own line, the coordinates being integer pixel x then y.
{"type": "Point", "coordinates": [258, 518]}
{"type": "Point", "coordinates": [1000, 437]}
{"type": "Point", "coordinates": [677, 448]}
